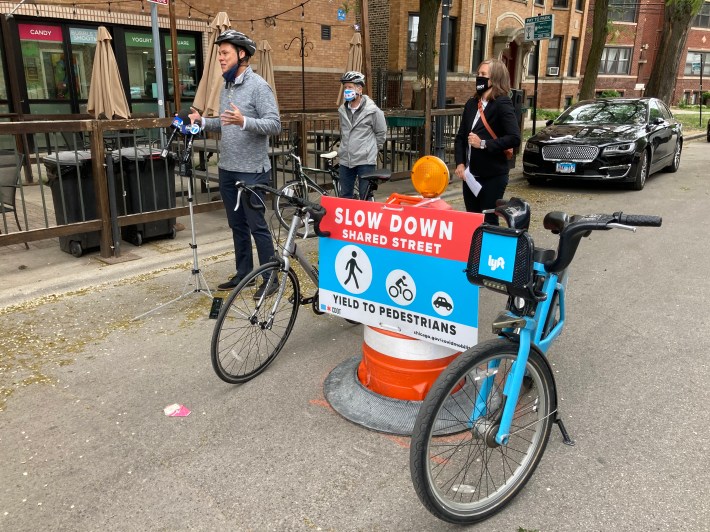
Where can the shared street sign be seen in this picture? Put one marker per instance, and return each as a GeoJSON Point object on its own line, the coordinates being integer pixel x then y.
{"type": "Point", "coordinates": [540, 27]}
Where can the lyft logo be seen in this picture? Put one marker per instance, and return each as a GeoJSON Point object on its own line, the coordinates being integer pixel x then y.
{"type": "Point", "coordinates": [493, 264]}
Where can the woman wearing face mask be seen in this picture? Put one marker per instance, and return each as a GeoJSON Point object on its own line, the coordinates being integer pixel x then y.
{"type": "Point", "coordinates": [480, 149]}
{"type": "Point", "coordinates": [362, 133]}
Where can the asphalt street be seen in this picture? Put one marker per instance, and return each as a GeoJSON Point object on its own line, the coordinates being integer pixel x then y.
{"type": "Point", "coordinates": [85, 443]}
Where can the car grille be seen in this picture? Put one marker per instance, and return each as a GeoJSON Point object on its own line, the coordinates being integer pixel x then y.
{"type": "Point", "coordinates": [569, 152]}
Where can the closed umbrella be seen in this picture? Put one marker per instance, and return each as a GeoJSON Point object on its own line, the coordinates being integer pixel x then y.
{"type": "Point", "coordinates": [266, 64]}
{"type": "Point", "coordinates": [211, 82]}
{"type": "Point", "coordinates": [354, 60]}
{"type": "Point", "coordinates": [106, 96]}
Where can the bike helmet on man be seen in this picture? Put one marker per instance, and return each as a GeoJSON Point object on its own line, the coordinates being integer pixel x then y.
{"type": "Point", "coordinates": [353, 77]}
{"type": "Point", "coordinates": [238, 39]}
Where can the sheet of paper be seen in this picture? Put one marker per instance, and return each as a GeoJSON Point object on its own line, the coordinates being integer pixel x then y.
{"type": "Point", "coordinates": [474, 185]}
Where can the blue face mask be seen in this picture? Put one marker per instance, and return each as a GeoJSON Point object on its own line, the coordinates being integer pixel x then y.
{"type": "Point", "coordinates": [230, 74]}
{"type": "Point", "coordinates": [349, 95]}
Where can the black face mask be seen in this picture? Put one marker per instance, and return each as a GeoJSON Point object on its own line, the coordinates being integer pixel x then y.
{"type": "Point", "coordinates": [481, 85]}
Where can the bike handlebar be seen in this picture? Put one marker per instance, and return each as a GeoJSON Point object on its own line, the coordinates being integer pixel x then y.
{"type": "Point", "coordinates": [316, 212]}
{"type": "Point", "coordinates": [581, 226]}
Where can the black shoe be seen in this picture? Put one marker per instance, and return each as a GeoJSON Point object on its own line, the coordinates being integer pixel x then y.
{"type": "Point", "coordinates": [271, 291]}
{"type": "Point", "coordinates": [234, 281]}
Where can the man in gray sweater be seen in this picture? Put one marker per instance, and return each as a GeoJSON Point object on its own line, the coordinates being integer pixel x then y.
{"type": "Point", "coordinates": [249, 115]}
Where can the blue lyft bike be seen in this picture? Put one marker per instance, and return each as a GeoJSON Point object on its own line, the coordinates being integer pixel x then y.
{"type": "Point", "coordinates": [484, 425]}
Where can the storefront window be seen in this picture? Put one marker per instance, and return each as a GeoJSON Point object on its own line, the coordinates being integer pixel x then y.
{"type": "Point", "coordinates": [187, 72]}
{"type": "Point", "coordinates": [3, 84]}
{"type": "Point", "coordinates": [141, 66]}
{"type": "Point", "coordinates": [83, 49]}
{"type": "Point", "coordinates": [45, 65]}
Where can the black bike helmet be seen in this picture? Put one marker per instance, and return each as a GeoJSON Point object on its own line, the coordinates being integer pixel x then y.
{"type": "Point", "coordinates": [353, 77]}
{"type": "Point", "coordinates": [238, 39]}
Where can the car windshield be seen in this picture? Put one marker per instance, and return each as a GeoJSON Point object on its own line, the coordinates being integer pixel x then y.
{"type": "Point", "coordinates": [605, 113]}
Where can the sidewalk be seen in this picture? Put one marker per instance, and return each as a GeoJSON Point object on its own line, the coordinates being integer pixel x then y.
{"type": "Point", "coordinates": [44, 270]}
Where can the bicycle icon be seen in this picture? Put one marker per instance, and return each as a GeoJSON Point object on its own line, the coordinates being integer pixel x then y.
{"type": "Point", "coordinates": [397, 289]}
{"type": "Point", "coordinates": [401, 287]}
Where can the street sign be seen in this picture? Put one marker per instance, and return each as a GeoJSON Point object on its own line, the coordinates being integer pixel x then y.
{"type": "Point", "coordinates": [540, 27]}
{"type": "Point", "coordinates": [399, 269]}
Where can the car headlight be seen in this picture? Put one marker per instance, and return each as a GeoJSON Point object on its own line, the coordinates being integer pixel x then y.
{"type": "Point", "coordinates": [532, 148]}
{"type": "Point", "coordinates": [626, 147]}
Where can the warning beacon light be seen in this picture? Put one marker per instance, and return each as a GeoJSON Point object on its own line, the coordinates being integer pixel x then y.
{"type": "Point", "coordinates": [430, 176]}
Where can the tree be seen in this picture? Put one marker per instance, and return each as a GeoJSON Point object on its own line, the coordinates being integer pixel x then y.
{"type": "Point", "coordinates": [677, 17]}
{"type": "Point", "coordinates": [426, 49]}
{"type": "Point", "coordinates": [600, 30]}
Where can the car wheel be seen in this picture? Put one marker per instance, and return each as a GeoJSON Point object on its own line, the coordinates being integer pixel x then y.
{"type": "Point", "coordinates": [641, 172]}
{"type": "Point", "coordinates": [673, 167]}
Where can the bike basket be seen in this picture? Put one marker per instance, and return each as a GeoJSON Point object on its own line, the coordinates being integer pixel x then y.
{"type": "Point", "coordinates": [501, 259]}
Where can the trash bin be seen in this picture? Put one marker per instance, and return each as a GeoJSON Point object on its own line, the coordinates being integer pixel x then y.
{"type": "Point", "coordinates": [145, 182]}
{"type": "Point", "coordinates": [70, 177]}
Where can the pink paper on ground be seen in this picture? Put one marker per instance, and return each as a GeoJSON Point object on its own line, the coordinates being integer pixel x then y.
{"type": "Point", "coordinates": [176, 410]}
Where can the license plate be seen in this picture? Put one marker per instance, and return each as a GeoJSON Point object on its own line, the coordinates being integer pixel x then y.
{"type": "Point", "coordinates": [566, 168]}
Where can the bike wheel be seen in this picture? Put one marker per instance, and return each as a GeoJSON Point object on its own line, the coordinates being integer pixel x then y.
{"type": "Point", "coordinates": [246, 338]}
{"type": "Point", "coordinates": [284, 210]}
{"type": "Point", "coordinates": [459, 473]}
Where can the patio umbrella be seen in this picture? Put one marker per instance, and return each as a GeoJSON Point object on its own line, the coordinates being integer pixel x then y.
{"type": "Point", "coordinates": [211, 82]}
{"type": "Point", "coordinates": [106, 96]}
{"type": "Point", "coordinates": [354, 61]}
{"type": "Point", "coordinates": [266, 64]}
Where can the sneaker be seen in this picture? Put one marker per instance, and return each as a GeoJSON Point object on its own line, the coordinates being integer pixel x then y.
{"type": "Point", "coordinates": [271, 291]}
{"type": "Point", "coordinates": [234, 281]}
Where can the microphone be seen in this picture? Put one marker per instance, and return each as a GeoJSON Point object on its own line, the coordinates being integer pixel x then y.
{"type": "Point", "coordinates": [177, 126]}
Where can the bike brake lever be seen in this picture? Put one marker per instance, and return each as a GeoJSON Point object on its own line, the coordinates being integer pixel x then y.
{"type": "Point", "coordinates": [621, 226]}
{"type": "Point", "coordinates": [239, 197]}
{"type": "Point", "coordinates": [306, 219]}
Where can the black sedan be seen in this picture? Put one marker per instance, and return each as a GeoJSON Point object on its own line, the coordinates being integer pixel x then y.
{"type": "Point", "coordinates": [614, 139]}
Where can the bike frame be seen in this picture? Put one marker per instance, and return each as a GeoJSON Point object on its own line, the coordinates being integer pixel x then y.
{"type": "Point", "coordinates": [530, 335]}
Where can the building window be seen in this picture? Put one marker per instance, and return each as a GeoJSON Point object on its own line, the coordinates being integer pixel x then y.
{"type": "Point", "coordinates": [615, 61]}
{"type": "Point", "coordinates": [568, 101]}
{"type": "Point", "coordinates": [451, 59]}
{"type": "Point", "coordinates": [554, 49]}
{"type": "Point", "coordinates": [412, 31]}
{"type": "Point", "coordinates": [479, 46]}
{"type": "Point", "coordinates": [187, 72]}
{"type": "Point", "coordinates": [83, 49]}
{"type": "Point", "coordinates": [693, 62]}
{"type": "Point", "coordinates": [573, 51]}
{"type": "Point", "coordinates": [532, 61]}
{"type": "Point", "coordinates": [579, 5]}
{"type": "Point", "coordinates": [325, 32]}
{"type": "Point", "coordinates": [702, 19]}
{"type": "Point", "coordinates": [560, 3]}
{"type": "Point", "coordinates": [46, 71]}
{"type": "Point", "coordinates": [623, 10]}
{"type": "Point", "coordinates": [540, 3]}
{"type": "Point", "coordinates": [141, 66]}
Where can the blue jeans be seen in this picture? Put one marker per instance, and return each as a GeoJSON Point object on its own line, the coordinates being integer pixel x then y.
{"type": "Point", "coordinates": [248, 221]}
{"type": "Point", "coordinates": [347, 180]}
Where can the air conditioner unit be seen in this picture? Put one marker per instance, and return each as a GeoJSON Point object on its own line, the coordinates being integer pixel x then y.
{"type": "Point", "coordinates": [553, 71]}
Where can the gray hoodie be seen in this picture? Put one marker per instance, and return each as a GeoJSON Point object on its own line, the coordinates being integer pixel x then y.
{"type": "Point", "coordinates": [247, 150]}
{"type": "Point", "coordinates": [361, 139]}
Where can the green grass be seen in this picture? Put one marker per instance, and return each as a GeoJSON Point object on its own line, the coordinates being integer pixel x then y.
{"type": "Point", "coordinates": [691, 122]}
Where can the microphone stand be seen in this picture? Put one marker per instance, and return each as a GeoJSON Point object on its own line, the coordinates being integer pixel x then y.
{"type": "Point", "coordinates": [196, 277]}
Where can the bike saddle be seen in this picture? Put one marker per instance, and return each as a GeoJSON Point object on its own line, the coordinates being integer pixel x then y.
{"type": "Point", "coordinates": [329, 155]}
{"type": "Point", "coordinates": [381, 175]}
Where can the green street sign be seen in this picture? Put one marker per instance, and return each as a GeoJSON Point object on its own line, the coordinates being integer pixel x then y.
{"type": "Point", "coordinates": [541, 27]}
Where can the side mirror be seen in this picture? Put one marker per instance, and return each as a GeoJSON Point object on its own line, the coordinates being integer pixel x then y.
{"type": "Point", "coordinates": [549, 123]}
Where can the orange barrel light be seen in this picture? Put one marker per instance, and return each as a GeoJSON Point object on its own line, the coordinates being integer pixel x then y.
{"type": "Point", "coordinates": [430, 177]}
{"type": "Point", "coordinates": [401, 367]}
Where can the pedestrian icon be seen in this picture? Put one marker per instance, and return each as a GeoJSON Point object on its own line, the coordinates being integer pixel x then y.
{"type": "Point", "coordinates": [353, 269]}
{"type": "Point", "coordinates": [400, 287]}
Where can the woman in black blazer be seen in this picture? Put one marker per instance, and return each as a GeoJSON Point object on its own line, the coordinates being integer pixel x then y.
{"type": "Point", "coordinates": [476, 149]}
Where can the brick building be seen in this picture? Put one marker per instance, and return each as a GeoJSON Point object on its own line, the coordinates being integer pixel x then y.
{"type": "Point", "coordinates": [39, 39]}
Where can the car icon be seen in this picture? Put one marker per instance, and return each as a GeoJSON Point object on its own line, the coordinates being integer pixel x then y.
{"type": "Point", "coordinates": [441, 301]}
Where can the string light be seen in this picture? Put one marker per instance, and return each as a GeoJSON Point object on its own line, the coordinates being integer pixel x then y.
{"type": "Point", "coordinates": [302, 11]}
{"type": "Point", "coordinates": [109, 8]}
{"type": "Point", "coordinates": [74, 9]}
{"type": "Point", "coordinates": [189, 12]}
{"type": "Point", "coordinates": [142, 6]}
{"type": "Point", "coordinates": [252, 25]}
